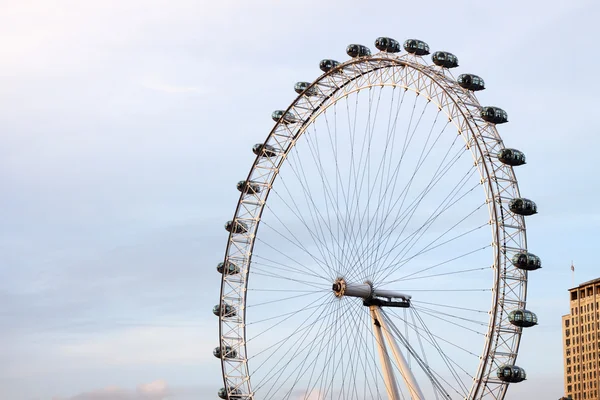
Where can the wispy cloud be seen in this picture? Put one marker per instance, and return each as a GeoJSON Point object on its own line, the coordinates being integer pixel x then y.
{"type": "Point", "coordinates": [156, 390]}
{"type": "Point", "coordinates": [142, 346]}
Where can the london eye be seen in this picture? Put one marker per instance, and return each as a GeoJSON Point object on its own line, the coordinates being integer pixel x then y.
{"type": "Point", "coordinates": [378, 247]}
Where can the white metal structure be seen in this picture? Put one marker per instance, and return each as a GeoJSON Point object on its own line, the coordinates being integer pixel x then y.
{"type": "Point", "coordinates": [374, 274]}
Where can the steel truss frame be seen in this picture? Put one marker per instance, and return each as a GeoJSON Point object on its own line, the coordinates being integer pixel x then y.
{"type": "Point", "coordinates": [509, 286]}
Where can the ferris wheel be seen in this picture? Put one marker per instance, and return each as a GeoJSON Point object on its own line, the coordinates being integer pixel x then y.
{"type": "Point", "coordinates": [391, 260]}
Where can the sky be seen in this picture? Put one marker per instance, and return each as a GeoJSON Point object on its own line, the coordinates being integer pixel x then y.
{"type": "Point", "coordinates": [124, 126]}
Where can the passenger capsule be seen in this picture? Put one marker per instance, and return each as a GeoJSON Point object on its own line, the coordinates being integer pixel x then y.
{"type": "Point", "coordinates": [227, 352]}
{"type": "Point", "coordinates": [327, 65]}
{"type": "Point", "coordinates": [444, 59]}
{"type": "Point", "coordinates": [248, 187]}
{"type": "Point", "coordinates": [264, 150]}
{"type": "Point", "coordinates": [511, 373]}
{"type": "Point", "coordinates": [387, 44]}
{"type": "Point", "coordinates": [224, 310]}
{"type": "Point", "coordinates": [417, 47]}
{"type": "Point", "coordinates": [303, 87]}
{"type": "Point", "coordinates": [238, 227]}
{"type": "Point", "coordinates": [526, 261]}
{"type": "Point", "coordinates": [522, 206]}
{"type": "Point", "coordinates": [234, 394]}
{"type": "Point", "coordinates": [228, 268]}
{"type": "Point", "coordinates": [284, 117]}
{"type": "Point", "coordinates": [357, 50]}
{"type": "Point", "coordinates": [512, 157]}
{"type": "Point", "coordinates": [522, 318]}
{"type": "Point", "coordinates": [494, 115]}
{"type": "Point", "coordinates": [471, 82]}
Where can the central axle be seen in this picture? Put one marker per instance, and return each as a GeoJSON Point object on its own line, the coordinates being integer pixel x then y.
{"type": "Point", "coordinates": [370, 295]}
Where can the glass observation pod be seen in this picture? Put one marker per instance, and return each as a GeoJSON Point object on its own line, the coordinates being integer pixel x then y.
{"type": "Point", "coordinates": [224, 310]}
{"type": "Point", "coordinates": [444, 59]}
{"type": "Point", "coordinates": [511, 374]}
{"type": "Point", "coordinates": [283, 117]}
{"type": "Point", "coordinates": [327, 65]}
{"type": "Point", "coordinates": [357, 50]}
{"type": "Point", "coordinates": [387, 44]}
{"type": "Point", "coordinates": [471, 82]}
{"type": "Point", "coordinates": [264, 150]}
{"type": "Point", "coordinates": [511, 157]}
{"type": "Point", "coordinates": [303, 87]}
{"type": "Point", "coordinates": [526, 261]}
{"type": "Point", "coordinates": [228, 268]}
{"type": "Point", "coordinates": [522, 206]}
{"type": "Point", "coordinates": [228, 352]}
{"type": "Point", "coordinates": [417, 47]}
{"type": "Point", "coordinates": [522, 318]}
{"type": "Point", "coordinates": [238, 227]}
{"type": "Point", "coordinates": [233, 394]}
{"type": "Point", "coordinates": [495, 115]}
{"type": "Point", "coordinates": [248, 187]}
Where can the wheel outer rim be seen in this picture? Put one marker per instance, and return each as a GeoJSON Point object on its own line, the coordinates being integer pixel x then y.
{"type": "Point", "coordinates": [508, 230]}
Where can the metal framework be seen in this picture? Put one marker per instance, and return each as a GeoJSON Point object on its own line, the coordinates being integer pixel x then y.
{"type": "Point", "coordinates": [499, 183]}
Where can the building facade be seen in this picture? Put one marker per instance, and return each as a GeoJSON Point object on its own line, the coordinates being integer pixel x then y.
{"type": "Point", "coordinates": [581, 341]}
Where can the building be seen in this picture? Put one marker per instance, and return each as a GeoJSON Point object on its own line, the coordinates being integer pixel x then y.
{"type": "Point", "coordinates": [581, 342]}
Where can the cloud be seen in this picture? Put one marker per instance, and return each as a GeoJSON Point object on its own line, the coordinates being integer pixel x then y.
{"type": "Point", "coordinates": [111, 392]}
{"type": "Point", "coordinates": [153, 390]}
{"type": "Point", "coordinates": [152, 345]}
{"type": "Point", "coordinates": [313, 396]}
{"type": "Point", "coordinates": [157, 390]}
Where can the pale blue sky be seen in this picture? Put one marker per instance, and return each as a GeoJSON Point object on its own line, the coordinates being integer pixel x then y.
{"type": "Point", "coordinates": [126, 124]}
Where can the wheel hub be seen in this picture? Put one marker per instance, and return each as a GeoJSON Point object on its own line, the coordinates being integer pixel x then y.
{"type": "Point", "coordinates": [370, 295]}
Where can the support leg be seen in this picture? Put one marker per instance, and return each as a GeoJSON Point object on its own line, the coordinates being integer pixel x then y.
{"type": "Point", "coordinates": [388, 374]}
{"type": "Point", "coordinates": [409, 379]}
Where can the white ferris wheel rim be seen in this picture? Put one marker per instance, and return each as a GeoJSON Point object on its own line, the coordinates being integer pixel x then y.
{"type": "Point", "coordinates": [499, 182]}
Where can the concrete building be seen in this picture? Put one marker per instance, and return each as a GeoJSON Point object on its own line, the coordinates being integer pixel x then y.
{"type": "Point", "coordinates": [581, 342]}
